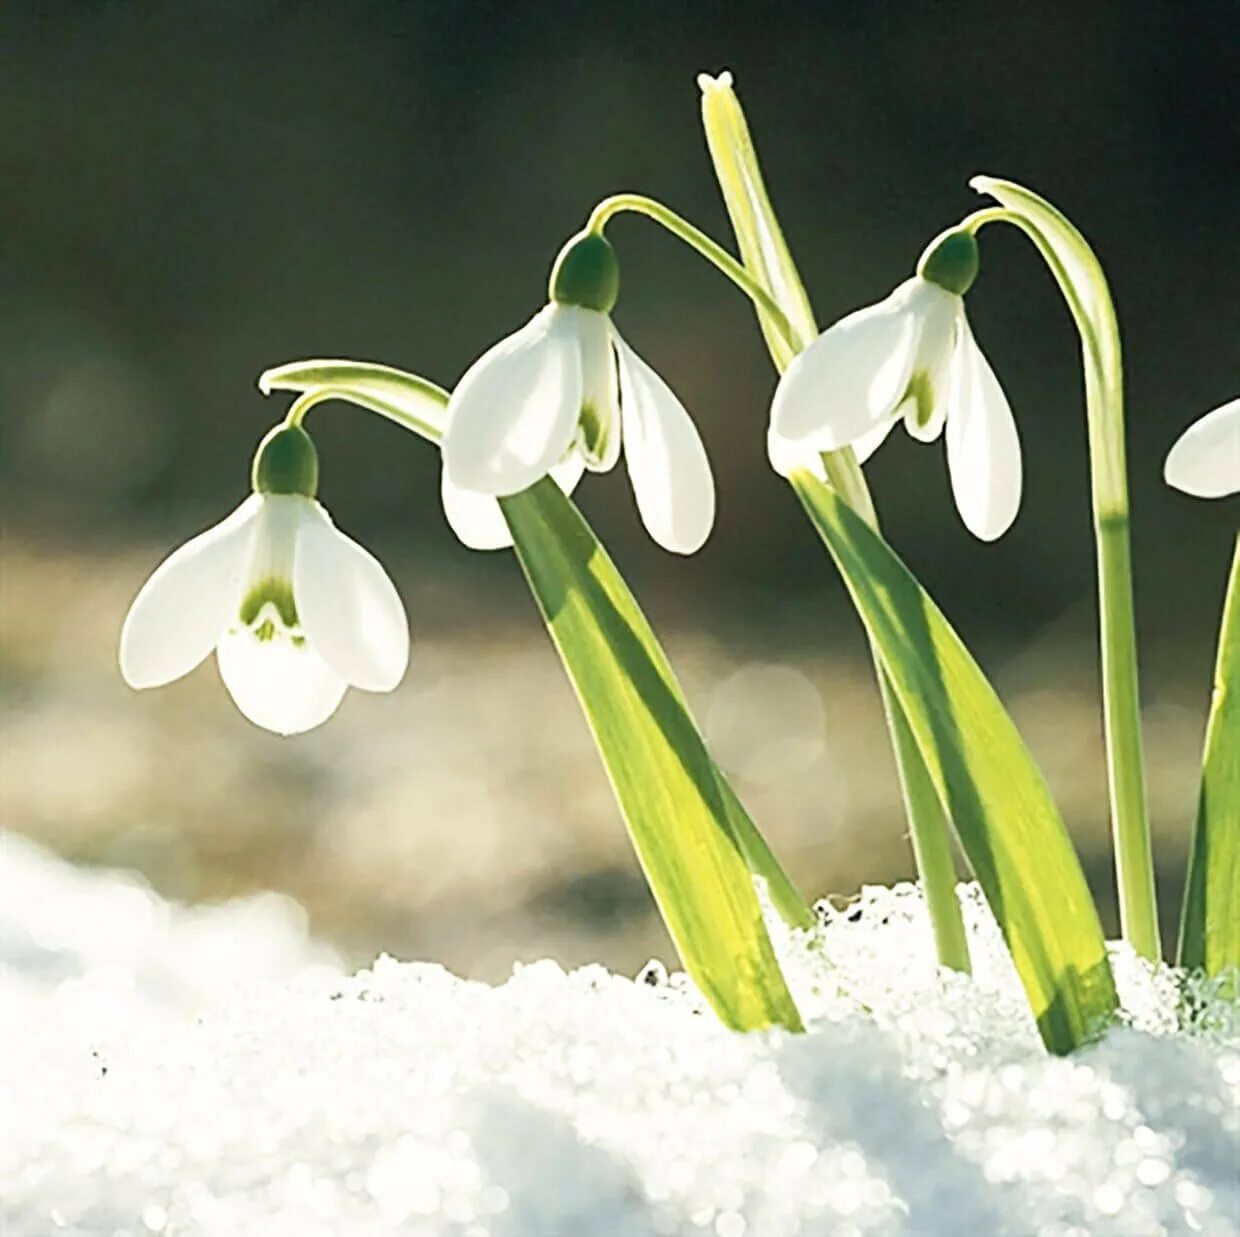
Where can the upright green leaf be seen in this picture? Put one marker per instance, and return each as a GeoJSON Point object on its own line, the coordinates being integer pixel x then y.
{"type": "Point", "coordinates": [1210, 923]}
{"type": "Point", "coordinates": [1006, 821]}
{"type": "Point", "coordinates": [679, 817]}
{"type": "Point", "coordinates": [695, 840]}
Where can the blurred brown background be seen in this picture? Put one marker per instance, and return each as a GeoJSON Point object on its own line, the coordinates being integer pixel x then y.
{"type": "Point", "coordinates": [193, 192]}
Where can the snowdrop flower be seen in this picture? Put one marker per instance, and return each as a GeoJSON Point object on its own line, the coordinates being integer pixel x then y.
{"type": "Point", "coordinates": [564, 394]}
{"type": "Point", "coordinates": [295, 611]}
{"type": "Point", "coordinates": [911, 357]}
{"type": "Point", "coordinates": [1205, 460]}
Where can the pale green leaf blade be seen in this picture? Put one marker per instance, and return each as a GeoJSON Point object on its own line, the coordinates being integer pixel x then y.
{"type": "Point", "coordinates": [1210, 923]}
{"type": "Point", "coordinates": [679, 816]}
{"type": "Point", "coordinates": [1006, 821]}
{"type": "Point", "coordinates": [758, 233]}
{"type": "Point", "coordinates": [418, 405]}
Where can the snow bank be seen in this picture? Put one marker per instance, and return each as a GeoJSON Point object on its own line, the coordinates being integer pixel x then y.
{"type": "Point", "coordinates": [180, 1071]}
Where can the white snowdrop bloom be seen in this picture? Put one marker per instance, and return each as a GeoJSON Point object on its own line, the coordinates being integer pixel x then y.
{"type": "Point", "coordinates": [911, 357]}
{"type": "Point", "coordinates": [564, 394]}
{"type": "Point", "coordinates": [296, 611]}
{"type": "Point", "coordinates": [1205, 460]}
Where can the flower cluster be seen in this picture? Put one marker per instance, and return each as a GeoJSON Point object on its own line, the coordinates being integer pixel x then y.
{"type": "Point", "coordinates": [297, 612]}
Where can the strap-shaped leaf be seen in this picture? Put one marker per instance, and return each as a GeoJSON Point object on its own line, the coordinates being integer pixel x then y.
{"type": "Point", "coordinates": [1006, 821]}
{"type": "Point", "coordinates": [1210, 924]}
{"type": "Point", "coordinates": [696, 842]}
{"type": "Point", "coordinates": [679, 817]}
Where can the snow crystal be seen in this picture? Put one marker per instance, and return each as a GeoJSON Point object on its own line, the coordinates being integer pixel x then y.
{"type": "Point", "coordinates": [174, 1071]}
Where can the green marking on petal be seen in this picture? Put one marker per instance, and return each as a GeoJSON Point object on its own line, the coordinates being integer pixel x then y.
{"type": "Point", "coordinates": [274, 592]}
{"type": "Point", "coordinates": [921, 391]}
{"type": "Point", "coordinates": [591, 433]}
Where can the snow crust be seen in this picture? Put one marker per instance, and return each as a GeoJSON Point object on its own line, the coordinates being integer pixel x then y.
{"type": "Point", "coordinates": [187, 1071]}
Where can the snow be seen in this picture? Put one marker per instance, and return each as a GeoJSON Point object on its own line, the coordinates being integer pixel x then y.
{"type": "Point", "coordinates": [171, 1070]}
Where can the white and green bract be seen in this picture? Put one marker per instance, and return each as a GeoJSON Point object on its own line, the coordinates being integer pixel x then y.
{"type": "Point", "coordinates": [296, 613]}
{"type": "Point", "coordinates": [913, 357]}
{"type": "Point", "coordinates": [1205, 460]}
{"type": "Point", "coordinates": [564, 394]}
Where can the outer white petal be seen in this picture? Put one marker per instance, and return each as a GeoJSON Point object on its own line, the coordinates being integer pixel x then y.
{"type": "Point", "coordinates": [1205, 460]}
{"type": "Point", "coordinates": [514, 413]}
{"type": "Point", "coordinates": [869, 442]}
{"type": "Point", "coordinates": [181, 610]}
{"type": "Point", "coordinates": [983, 447]}
{"type": "Point", "coordinates": [350, 610]}
{"type": "Point", "coordinates": [667, 463]}
{"type": "Point", "coordinates": [476, 518]}
{"type": "Point", "coordinates": [852, 376]}
{"type": "Point", "coordinates": [787, 457]}
{"type": "Point", "coordinates": [279, 686]}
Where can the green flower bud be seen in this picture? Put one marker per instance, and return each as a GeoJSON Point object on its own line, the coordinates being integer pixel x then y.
{"type": "Point", "coordinates": [586, 273]}
{"type": "Point", "coordinates": [951, 260]}
{"type": "Point", "coordinates": [286, 462]}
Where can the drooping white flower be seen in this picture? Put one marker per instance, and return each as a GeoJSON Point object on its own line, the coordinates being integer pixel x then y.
{"type": "Point", "coordinates": [296, 611]}
{"type": "Point", "coordinates": [1205, 460]}
{"type": "Point", "coordinates": [565, 394]}
{"type": "Point", "coordinates": [911, 357]}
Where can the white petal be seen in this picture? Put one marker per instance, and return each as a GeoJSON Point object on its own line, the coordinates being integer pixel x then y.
{"type": "Point", "coordinates": [279, 686]}
{"type": "Point", "coordinates": [851, 377]}
{"type": "Point", "coordinates": [598, 432]}
{"type": "Point", "coordinates": [350, 610]}
{"type": "Point", "coordinates": [667, 463]}
{"type": "Point", "coordinates": [477, 519]}
{"type": "Point", "coordinates": [181, 610]}
{"type": "Point", "coordinates": [1205, 460]}
{"type": "Point", "coordinates": [514, 413]}
{"type": "Point", "coordinates": [983, 448]}
{"type": "Point", "coordinates": [788, 457]}
{"type": "Point", "coordinates": [869, 442]}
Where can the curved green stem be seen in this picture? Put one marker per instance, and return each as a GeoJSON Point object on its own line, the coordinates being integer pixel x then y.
{"type": "Point", "coordinates": [695, 238]}
{"type": "Point", "coordinates": [411, 401]}
{"type": "Point", "coordinates": [1083, 285]}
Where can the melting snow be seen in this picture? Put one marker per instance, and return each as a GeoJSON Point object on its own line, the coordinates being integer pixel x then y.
{"type": "Point", "coordinates": [178, 1071]}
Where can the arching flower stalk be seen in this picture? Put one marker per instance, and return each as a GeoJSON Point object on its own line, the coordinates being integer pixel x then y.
{"type": "Point", "coordinates": [912, 358]}
{"type": "Point", "coordinates": [566, 394]}
{"type": "Point", "coordinates": [296, 611]}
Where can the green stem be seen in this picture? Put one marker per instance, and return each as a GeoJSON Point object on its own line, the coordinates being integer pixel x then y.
{"type": "Point", "coordinates": [330, 380]}
{"type": "Point", "coordinates": [696, 239]}
{"type": "Point", "coordinates": [1081, 281]}
{"type": "Point", "coordinates": [1121, 702]}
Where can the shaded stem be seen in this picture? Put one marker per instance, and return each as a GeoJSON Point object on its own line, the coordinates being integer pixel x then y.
{"type": "Point", "coordinates": [1210, 918]}
{"type": "Point", "coordinates": [929, 832]}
